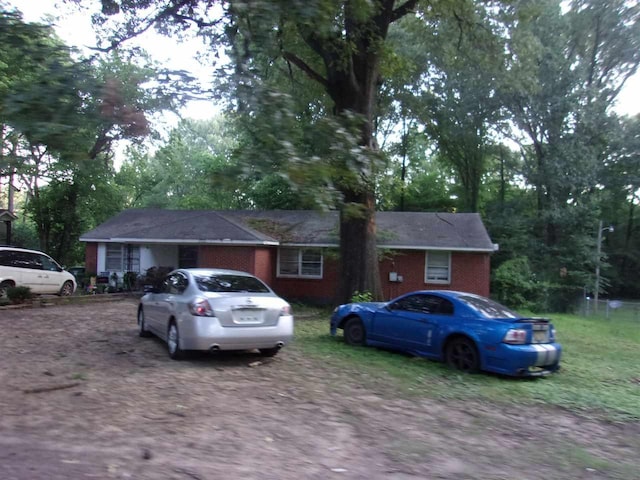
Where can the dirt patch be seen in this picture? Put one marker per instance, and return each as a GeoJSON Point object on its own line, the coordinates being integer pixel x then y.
{"type": "Point", "coordinates": [84, 397]}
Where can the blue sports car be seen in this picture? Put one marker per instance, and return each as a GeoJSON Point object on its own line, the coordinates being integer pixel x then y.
{"type": "Point", "coordinates": [467, 331]}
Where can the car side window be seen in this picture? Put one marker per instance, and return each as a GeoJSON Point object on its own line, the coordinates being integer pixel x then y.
{"type": "Point", "coordinates": [26, 260]}
{"type": "Point", "coordinates": [6, 258]}
{"type": "Point", "coordinates": [48, 264]}
{"type": "Point", "coordinates": [421, 303]}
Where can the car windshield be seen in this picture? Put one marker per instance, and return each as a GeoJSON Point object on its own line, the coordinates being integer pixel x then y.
{"type": "Point", "coordinates": [488, 308]}
{"type": "Point", "coordinates": [230, 283]}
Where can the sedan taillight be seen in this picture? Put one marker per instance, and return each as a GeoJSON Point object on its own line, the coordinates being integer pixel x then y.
{"type": "Point", "coordinates": [200, 307]}
{"type": "Point", "coordinates": [515, 336]}
{"type": "Point", "coordinates": [286, 310]}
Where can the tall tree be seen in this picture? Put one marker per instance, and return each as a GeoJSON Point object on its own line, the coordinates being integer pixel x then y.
{"type": "Point", "coordinates": [343, 47]}
{"type": "Point", "coordinates": [61, 116]}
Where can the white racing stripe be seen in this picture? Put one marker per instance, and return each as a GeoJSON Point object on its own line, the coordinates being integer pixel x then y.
{"type": "Point", "coordinates": [547, 354]}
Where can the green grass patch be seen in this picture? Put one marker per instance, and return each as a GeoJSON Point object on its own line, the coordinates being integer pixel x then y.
{"type": "Point", "coordinates": [600, 372]}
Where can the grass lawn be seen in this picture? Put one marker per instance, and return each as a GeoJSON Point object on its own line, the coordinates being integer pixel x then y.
{"type": "Point", "coordinates": [600, 372]}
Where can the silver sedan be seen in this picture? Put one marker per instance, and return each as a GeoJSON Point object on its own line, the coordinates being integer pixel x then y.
{"type": "Point", "coordinates": [214, 309]}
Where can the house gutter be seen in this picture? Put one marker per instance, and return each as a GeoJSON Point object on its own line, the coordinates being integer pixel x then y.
{"type": "Point", "coordinates": [181, 241]}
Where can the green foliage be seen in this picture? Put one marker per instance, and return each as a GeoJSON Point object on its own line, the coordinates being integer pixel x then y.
{"type": "Point", "coordinates": [361, 297]}
{"type": "Point", "coordinates": [155, 276]}
{"type": "Point", "coordinates": [18, 295]}
{"type": "Point", "coordinates": [598, 375]}
{"type": "Point", "coordinates": [513, 283]}
{"type": "Point", "coordinates": [24, 234]}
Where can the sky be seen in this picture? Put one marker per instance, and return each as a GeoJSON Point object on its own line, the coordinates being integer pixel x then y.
{"type": "Point", "coordinates": [76, 29]}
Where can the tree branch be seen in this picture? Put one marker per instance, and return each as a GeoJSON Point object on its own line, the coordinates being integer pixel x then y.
{"type": "Point", "coordinates": [302, 65]}
{"type": "Point", "coordinates": [404, 9]}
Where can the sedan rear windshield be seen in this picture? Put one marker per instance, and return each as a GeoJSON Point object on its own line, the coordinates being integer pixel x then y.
{"type": "Point", "coordinates": [230, 283]}
{"type": "Point", "coordinates": [488, 308]}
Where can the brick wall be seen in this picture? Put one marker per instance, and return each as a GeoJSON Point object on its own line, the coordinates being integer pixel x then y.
{"type": "Point", "coordinates": [235, 258]}
{"type": "Point", "coordinates": [322, 291]}
{"type": "Point", "coordinates": [470, 272]}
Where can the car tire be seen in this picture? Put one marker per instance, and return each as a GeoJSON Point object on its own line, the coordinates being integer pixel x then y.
{"type": "Point", "coordinates": [354, 332]}
{"type": "Point", "coordinates": [67, 289]}
{"type": "Point", "coordinates": [269, 352]}
{"type": "Point", "coordinates": [4, 286]}
{"type": "Point", "coordinates": [462, 354]}
{"type": "Point", "coordinates": [142, 329]}
{"type": "Point", "coordinates": [173, 342]}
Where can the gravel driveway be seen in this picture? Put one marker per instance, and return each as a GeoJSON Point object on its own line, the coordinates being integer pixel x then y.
{"type": "Point", "coordinates": [84, 397]}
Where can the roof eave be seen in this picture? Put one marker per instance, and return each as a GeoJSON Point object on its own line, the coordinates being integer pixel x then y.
{"type": "Point", "coordinates": [180, 241]}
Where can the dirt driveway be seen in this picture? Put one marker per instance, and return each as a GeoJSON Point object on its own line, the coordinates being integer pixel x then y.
{"type": "Point", "coordinates": [83, 396]}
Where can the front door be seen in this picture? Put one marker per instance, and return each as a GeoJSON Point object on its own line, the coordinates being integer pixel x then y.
{"type": "Point", "coordinates": [413, 322]}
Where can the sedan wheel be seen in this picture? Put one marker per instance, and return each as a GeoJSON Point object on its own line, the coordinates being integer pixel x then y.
{"type": "Point", "coordinates": [173, 342]}
{"type": "Point", "coordinates": [354, 332]}
{"type": "Point", "coordinates": [4, 286]}
{"type": "Point", "coordinates": [462, 355]}
{"type": "Point", "coordinates": [67, 289]}
{"type": "Point", "coordinates": [142, 328]}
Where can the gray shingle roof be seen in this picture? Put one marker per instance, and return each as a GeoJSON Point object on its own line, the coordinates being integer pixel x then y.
{"type": "Point", "coordinates": [399, 230]}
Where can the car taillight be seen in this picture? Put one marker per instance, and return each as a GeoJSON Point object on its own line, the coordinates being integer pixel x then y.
{"type": "Point", "coordinates": [515, 336]}
{"type": "Point", "coordinates": [286, 310]}
{"type": "Point", "coordinates": [200, 307]}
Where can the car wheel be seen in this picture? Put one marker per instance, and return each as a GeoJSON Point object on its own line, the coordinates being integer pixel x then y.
{"type": "Point", "coordinates": [269, 352]}
{"type": "Point", "coordinates": [462, 354]}
{"type": "Point", "coordinates": [354, 332]}
{"type": "Point", "coordinates": [66, 290]}
{"type": "Point", "coordinates": [4, 286]}
{"type": "Point", "coordinates": [142, 329]}
{"type": "Point", "coordinates": [173, 342]}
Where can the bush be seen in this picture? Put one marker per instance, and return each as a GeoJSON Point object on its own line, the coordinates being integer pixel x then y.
{"type": "Point", "coordinates": [19, 295]}
{"type": "Point", "coordinates": [130, 281]}
{"type": "Point", "coordinates": [361, 297]}
{"type": "Point", "coordinates": [514, 284]}
{"type": "Point", "coordinates": [156, 275]}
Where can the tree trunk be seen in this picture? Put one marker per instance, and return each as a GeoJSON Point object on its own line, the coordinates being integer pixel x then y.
{"type": "Point", "coordinates": [359, 268]}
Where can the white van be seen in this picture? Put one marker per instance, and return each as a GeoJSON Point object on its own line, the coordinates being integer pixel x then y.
{"type": "Point", "coordinates": [33, 269]}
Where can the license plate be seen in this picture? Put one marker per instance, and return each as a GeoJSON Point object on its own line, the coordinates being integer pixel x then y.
{"type": "Point", "coordinates": [541, 336]}
{"type": "Point", "coordinates": [248, 317]}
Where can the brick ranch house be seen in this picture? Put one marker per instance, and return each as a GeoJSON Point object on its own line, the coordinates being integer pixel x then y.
{"type": "Point", "coordinates": [295, 252]}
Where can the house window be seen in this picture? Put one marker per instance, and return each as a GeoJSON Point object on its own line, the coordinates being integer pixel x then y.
{"type": "Point", "coordinates": [299, 262]}
{"type": "Point", "coordinates": [438, 267]}
{"type": "Point", "coordinates": [122, 258]}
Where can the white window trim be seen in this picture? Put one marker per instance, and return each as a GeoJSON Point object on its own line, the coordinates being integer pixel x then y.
{"type": "Point", "coordinates": [426, 269]}
{"type": "Point", "coordinates": [122, 257]}
{"type": "Point", "coordinates": [300, 250]}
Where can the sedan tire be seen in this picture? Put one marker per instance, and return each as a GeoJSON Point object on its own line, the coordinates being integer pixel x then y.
{"type": "Point", "coordinates": [462, 354]}
{"type": "Point", "coordinates": [142, 328]}
{"type": "Point", "coordinates": [354, 332]}
{"type": "Point", "coordinates": [173, 342]}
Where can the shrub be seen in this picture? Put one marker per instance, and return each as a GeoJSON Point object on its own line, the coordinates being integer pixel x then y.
{"type": "Point", "coordinates": [361, 297]}
{"type": "Point", "coordinates": [514, 283]}
{"type": "Point", "coordinates": [19, 295]}
{"type": "Point", "coordinates": [155, 276]}
{"type": "Point", "coordinates": [130, 281]}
